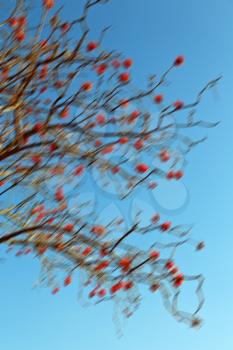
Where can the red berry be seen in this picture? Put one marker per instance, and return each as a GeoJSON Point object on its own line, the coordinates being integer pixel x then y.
{"type": "Point", "coordinates": [123, 140]}
{"type": "Point", "coordinates": [127, 63]}
{"type": "Point", "coordinates": [98, 143]}
{"type": "Point", "coordinates": [102, 293]}
{"type": "Point", "coordinates": [164, 156]}
{"type": "Point", "coordinates": [154, 287]}
{"type": "Point", "coordinates": [69, 227]}
{"type": "Point", "coordinates": [165, 226]}
{"type": "Point", "coordinates": [155, 218]}
{"type": "Point", "coordinates": [92, 45]}
{"type": "Point", "coordinates": [170, 175]}
{"type": "Point", "coordinates": [99, 230]}
{"type": "Point", "coordinates": [124, 103]}
{"type": "Point", "coordinates": [101, 68]}
{"type": "Point", "coordinates": [138, 144]}
{"type": "Point", "coordinates": [65, 113]}
{"type": "Point", "coordinates": [53, 147]}
{"type": "Point", "coordinates": [116, 287]}
{"type": "Point", "coordinates": [79, 170]}
{"type": "Point", "coordinates": [38, 126]}
{"type": "Point", "coordinates": [55, 290]}
{"type": "Point", "coordinates": [142, 168]}
{"type": "Point", "coordinates": [20, 35]}
{"type": "Point", "coordinates": [178, 281]}
{"type": "Point", "coordinates": [103, 265]}
{"type": "Point", "coordinates": [22, 21]}
{"type": "Point", "coordinates": [87, 251]}
{"type": "Point", "coordinates": [115, 169]}
{"type": "Point", "coordinates": [116, 64]}
{"type": "Point", "coordinates": [100, 118]}
{"type": "Point", "coordinates": [48, 4]}
{"type": "Point", "coordinates": [169, 265]}
{"type": "Point", "coordinates": [108, 149]}
{"type": "Point", "coordinates": [179, 174]}
{"type": "Point", "coordinates": [128, 285]}
{"type": "Point", "coordinates": [59, 194]}
{"type": "Point", "coordinates": [154, 255]}
{"type": "Point", "coordinates": [67, 281]}
{"type": "Point", "coordinates": [65, 27]}
{"type": "Point", "coordinates": [178, 104]}
{"type": "Point", "coordinates": [13, 22]}
{"type": "Point", "coordinates": [124, 77]}
{"type": "Point", "coordinates": [36, 158]}
{"type": "Point", "coordinates": [125, 263]}
{"type": "Point", "coordinates": [158, 99]}
{"type": "Point", "coordinates": [87, 86]}
{"type": "Point", "coordinates": [92, 293]}
{"type": "Point", "coordinates": [179, 60]}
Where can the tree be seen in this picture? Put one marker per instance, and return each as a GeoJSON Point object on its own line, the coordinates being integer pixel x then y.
{"type": "Point", "coordinates": [57, 127]}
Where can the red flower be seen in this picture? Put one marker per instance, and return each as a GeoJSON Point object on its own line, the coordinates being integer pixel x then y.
{"type": "Point", "coordinates": [178, 105]}
{"type": "Point", "coordinates": [48, 4]}
{"type": "Point", "coordinates": [158, 98]}
{"type": "Point", "coordinates": [142, 168]}
{"type": "Point", "coordinates": [179, 61]}
{"type": "Point", "coordinates": [165, 226]}
{"type": "Point", "coordinates": [124, 77]}
{"type": "Point", "coordinates": [127, 63]}
{"type": "Point", "coordinates": [92, 45]}
{"type": "Point", "coordinates": [67, 281]}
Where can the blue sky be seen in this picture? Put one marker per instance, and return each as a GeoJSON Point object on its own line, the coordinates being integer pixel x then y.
{"type": "Point", "coordinates": [152, 32]}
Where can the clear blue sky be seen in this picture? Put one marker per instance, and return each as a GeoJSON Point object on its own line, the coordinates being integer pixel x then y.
{"type": "Point", "coordinates": [153, 32]}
